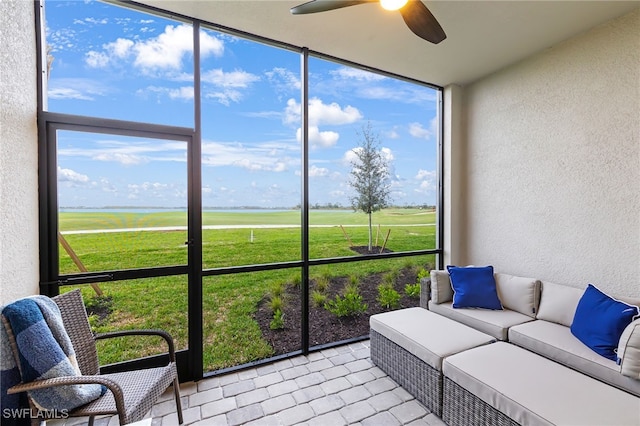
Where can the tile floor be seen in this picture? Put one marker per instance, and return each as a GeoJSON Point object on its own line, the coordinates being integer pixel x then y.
{"type": "Point", "coordinates": [336, 386]}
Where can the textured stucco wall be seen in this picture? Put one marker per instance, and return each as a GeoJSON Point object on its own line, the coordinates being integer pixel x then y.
{"type": "Point", "coordinates": [553, 163]}
{"type": "Point", "coordinates": [18, 152]}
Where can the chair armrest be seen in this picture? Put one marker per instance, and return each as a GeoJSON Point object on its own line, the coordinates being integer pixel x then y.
{"type": "Point", "coordinates": [115, 389]}
{"type": "Point", "coordinates": [166, 336]}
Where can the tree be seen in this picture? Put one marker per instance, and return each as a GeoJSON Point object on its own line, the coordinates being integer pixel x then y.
{"type": "Point", "coordinates": [369, 177]}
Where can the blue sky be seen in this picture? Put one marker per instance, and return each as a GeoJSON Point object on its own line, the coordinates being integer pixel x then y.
{"type": "Point", "coordinates": [113, 62]}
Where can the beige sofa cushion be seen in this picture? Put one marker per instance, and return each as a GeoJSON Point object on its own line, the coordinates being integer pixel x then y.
{"type": "Point", "coordinates": [534, 390]}
{"type": "Point", "coordinates": [494, 323]}
{"type": "Point", "coordinates": [430, 337]}
{"type": "Point", "coordinates": [558, 303]}
{"type": "Point", "coordinates": [441, 290]}
{"type": "Point", "coordinates": [518, 293]}
{"type": "Point", "coordinates": [629, 351]}
{"type": "Point", "coordinates": [556, 342]}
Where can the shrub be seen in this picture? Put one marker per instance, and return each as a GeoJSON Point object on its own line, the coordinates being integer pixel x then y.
{"type": "Point", "coordinates": [350, 304]}
{"type": "Point", "coordinates": [296, 281]}
{"type": "Point", "coordinates": [277, 323]}
{"type": "Point", "coordinates": [388, 297]}
{"type": "Point", "coordinates": [389, 279]}
{"type": "Point", "coordinates": [275, 304]}
{"type": "Point", "coordinates": [322, 284]}
{"type": "Point", "coordinates": [318, 298]}
{"type": "Point", "coordinates": [423, 273]}
{"type": "Point", "coordinates": [354, 281]}
{"type": "Point", "coordinates": [277, 290]}
{"type": "Point", "coordinates": [412, 290]}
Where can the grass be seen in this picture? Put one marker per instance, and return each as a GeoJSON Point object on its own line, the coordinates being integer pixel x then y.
{"type": "Point", "coordinates": [231, 336]}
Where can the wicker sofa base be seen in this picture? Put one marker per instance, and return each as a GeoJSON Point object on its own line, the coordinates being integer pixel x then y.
{"type": "Point", "coordinates": [462, 408]}
{"type": "Point", "coordinates": [413, 374]}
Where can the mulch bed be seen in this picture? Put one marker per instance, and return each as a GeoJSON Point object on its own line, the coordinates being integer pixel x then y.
{"type": "Point", "coordinates": [325, 327]}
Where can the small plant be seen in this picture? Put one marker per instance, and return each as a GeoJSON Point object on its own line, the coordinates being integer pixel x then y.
{"type": "Point", "coordinates": [423, 273]}
{"type": "Point", "coordinates": [349, 305]}
{"type": "Point", "coordinates": [296, 281]}
{"type": "Point", "coordinates": [277, 290]}
{"type": "Point", "coordinates": [322, 284]}
{"type": "Point", "coordinates": [412, 290]}
{"type": "Point", "coordinates": [318, 298]}
{"type": "Point", "coordinates": [390, 278]}
{"type": "Point", "coordinates": [277, 323]}
{"type": "Point", "coordinates": [275, 304]}
{"type": "Point", "coordinates": [354, 281]}
{"type": "Point", "coordinates": [388, 297]}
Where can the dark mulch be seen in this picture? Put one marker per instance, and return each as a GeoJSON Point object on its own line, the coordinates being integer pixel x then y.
{"type": "Point", "coordinates": [100, 306]}
{"type": "Point", "coordinates": [374, 250]}
{"type": "Point", "coordinates": [325, 327]}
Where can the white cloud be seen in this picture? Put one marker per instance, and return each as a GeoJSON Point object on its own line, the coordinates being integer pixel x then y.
{"type": "Point", "coordinates": [357, 74]}
{"type": "Point", "coordinates": [283, 80]}
{"type": "Point", "coordinates": [427, 180]}
{"type": "Point", "coordinates": [75, 88]}
{"type": "Point", "coordinates": [321, 114]}
{"type": "Point", "coordinates": [425, 174]}
{"type": "Point", "coordinates": [417, 131]}
{"type": "Point", "coordinates": [165, 52]}
{"type": "Point", "coordinates": [122, 158]}
{"type": "Point", "coordinates": [315, 171]}
{"type": "Point", "coordinates": [185, 92]}
{"type": "Point", "coordinates": [96, 59]}
{"type": "Point", "coordinates": [157, 190]}
{"type": "Point", "coordinates": [320, 139]}
{"type": "Point", "coordinates": [68, 175]}
{"type": "Point", "coordinates": [331, 114]}
{"type": "Point", "coordinates": [253, 157]}
{"type": "Point", "coordinates": [391, 134]}
{"type": "Point", "coordinates": [387, 154]}
{"type": "Point", "coordinates": [236, 78]}
{"type": "Point", "coordinates": [227, 84]}
{"type": "Point", "coordinates": [225, 97]}
{"type": "Point", "coordinates": [120, 48]}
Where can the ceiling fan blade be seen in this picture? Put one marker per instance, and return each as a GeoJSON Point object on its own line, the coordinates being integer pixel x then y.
{"type": "Point", "coordinates": [422, 22]}
{"type": "Point", "coordinates": [315, 6]}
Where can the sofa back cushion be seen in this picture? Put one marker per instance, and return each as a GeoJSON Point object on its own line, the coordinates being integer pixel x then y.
{"type": "Point", "coordinates": [558, 303]}
{"type": "Point", "coordinates": [518, 294]}
{"type": "Point", "coordinates": [629, 351]}
{"type": "Point", "coordinates": [441, 290]}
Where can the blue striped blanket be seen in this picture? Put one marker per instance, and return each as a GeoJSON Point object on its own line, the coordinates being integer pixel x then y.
{"type": "Point", "coordinates": [45, 351]}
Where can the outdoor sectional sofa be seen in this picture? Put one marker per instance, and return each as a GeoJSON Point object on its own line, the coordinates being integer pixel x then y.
{"type": "Point", "coordinates": [517, 365]}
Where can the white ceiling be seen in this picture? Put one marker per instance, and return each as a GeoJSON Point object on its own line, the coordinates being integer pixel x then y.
{"type": "Point", "coordinates": [482, 36]}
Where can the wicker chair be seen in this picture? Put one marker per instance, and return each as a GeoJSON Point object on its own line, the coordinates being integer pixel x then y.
{"type": "Point", "coordinates": [131, 394]}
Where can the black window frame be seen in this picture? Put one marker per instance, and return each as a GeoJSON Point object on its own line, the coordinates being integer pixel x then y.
{"type": "Point", "coordinates": [190, 361]}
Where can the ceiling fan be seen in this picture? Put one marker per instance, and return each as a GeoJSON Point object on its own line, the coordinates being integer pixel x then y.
{"type": "Point", "coordinates": [415, 14]}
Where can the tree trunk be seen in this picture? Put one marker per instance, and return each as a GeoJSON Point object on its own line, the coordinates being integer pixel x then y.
{"type": "Point", "coordinates": [370, 235]}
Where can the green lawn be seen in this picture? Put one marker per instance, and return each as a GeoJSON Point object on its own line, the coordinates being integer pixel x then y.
{"type": "Point", "coordinates": [231, 336]}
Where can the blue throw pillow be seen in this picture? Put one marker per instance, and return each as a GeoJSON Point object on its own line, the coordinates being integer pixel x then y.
{"type": "Point", "coordinates": [600, 320]}
{"type": "Point", "coordinates": [474, 287]}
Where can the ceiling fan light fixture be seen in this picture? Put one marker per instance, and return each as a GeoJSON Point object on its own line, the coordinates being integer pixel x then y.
{"type": "Point", "coordinates": [392, 4]}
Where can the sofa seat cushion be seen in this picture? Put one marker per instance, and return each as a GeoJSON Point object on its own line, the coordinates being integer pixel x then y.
{"type": "Point", "coordinates": [556, 342]}
{"type": "Point", "coordinates": [428, 336]}
{"type": "Point", "coordinates": [494, 323]}
{"type": "Point", "coordinates": [533, 390]}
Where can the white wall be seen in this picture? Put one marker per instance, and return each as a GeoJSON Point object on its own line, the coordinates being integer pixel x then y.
{"type": "Point", "coordinates": [18, 152]}
{"type": "Point", "coordinates": [553, 163]}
